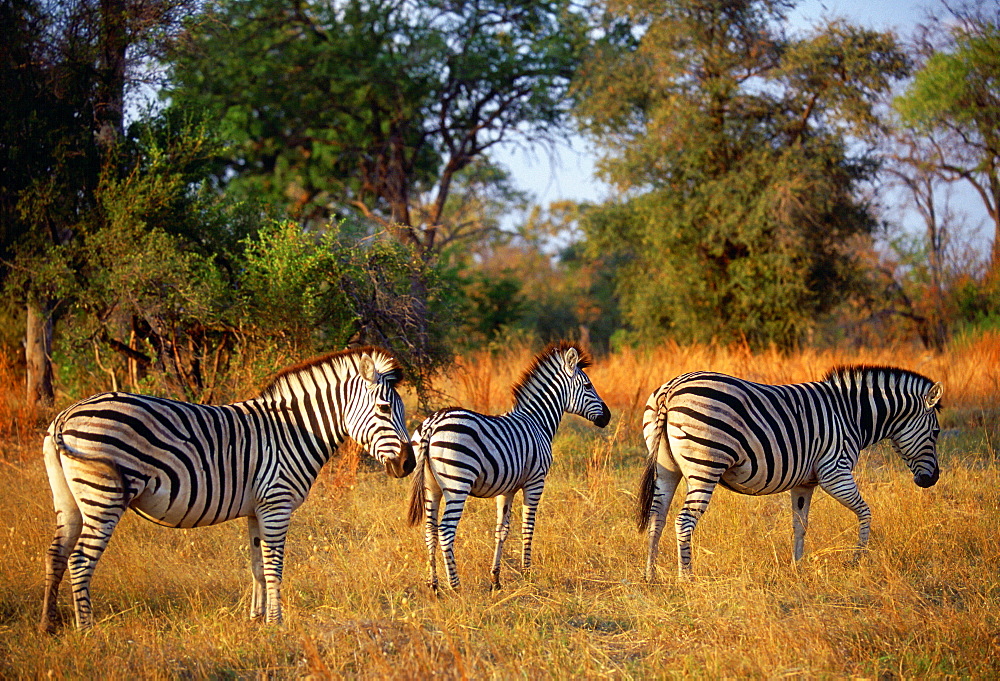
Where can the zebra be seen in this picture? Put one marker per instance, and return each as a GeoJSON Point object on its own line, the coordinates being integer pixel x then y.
{"type": "Point", "coordinates": [757, 439]}
{"type": "Point", "coordinates": [462, 453]}
{"type": "Point", "coordinates": [179, 464]}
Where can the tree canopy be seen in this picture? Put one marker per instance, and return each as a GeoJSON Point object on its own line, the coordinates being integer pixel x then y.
{"type": "Point", "coordinates": [955, 98]}
{"type": "Point", "coordinates": [729, 142]}
{"type": "Point", "coordinates": [370, 104]}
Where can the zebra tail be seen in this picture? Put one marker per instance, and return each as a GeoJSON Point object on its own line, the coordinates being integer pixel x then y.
{"type": "Point", "coordinates": [416, 512]}
{"type": "Point", "coordinates": [647, 484]}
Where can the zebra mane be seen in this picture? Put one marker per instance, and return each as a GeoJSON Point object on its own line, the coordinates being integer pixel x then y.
{"type": "Point", "coordinates": [385, 364]}
{"type": "Point", "coordinates": [543, 357]}
{"type": "Point", "coordinates": [857, 373]}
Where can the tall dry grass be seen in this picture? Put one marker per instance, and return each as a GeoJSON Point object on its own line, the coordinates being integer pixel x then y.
{"type": "Point", "coordinates": [925, 602]}
{"type": "Point", "coordinates": [970, 369]}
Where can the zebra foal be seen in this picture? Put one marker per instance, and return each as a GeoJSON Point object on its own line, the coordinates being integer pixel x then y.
{"type": "Point", "coordinates": [757, 439]}
{"type": "Point", "coordinates": [462, 453]}
{"type": "Point", "coordinates": [188, 465]}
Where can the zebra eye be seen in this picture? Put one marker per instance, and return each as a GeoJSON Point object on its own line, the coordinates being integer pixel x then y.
{"type": "Point", "coordinates": [383, 408]}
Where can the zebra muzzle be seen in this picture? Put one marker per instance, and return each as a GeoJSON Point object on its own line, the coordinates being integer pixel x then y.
{"type": "Point", "coordinates": [926, 479]}
{"type": "Point", "coordinates": [403, 464]}
{"type": "Point", "coordinates": [604, 418]}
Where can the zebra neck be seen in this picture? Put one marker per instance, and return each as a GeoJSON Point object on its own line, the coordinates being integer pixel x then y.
{"type": "Point", "coordinates": [304, 424]}
{"type": "Point", "coordinates": [543, 404]}
{"type": "Point", "coordinates": [870, 410]}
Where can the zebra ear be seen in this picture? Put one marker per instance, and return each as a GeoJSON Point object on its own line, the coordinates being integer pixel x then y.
{"type": "Point", "coordinates": [366, 367]}
{"type": "Point", "coordinates": [570, 360]}
{"type": "Point", "coordinates": [933, 396]}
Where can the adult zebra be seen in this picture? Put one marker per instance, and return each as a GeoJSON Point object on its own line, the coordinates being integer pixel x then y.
{"type": "Point", "coordinates": [462, 453]}
{"type": "Point", "coordinates": [763, 439]}
{"type": "Point", "coordinates": [188, 465]}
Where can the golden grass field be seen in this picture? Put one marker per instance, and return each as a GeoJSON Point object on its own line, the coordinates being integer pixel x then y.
{"type": "Point", "coordinates": [924, 602]}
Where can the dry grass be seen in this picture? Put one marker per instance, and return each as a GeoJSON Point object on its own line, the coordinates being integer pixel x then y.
{"type": "Point", "coordinates": [925, 601]}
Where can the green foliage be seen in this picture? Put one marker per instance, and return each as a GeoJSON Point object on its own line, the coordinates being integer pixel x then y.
{"type": "Point", "coordinates": [289, 284]}
{"type": "Point", "coordinates": [368, 104]}
{"type": "Point", "coordinates": [321, 291]}
{"type": "Point", "coordinates": [978, 307]}
{"type": "Point", "coordinates": [154, 252]}
{"type": "Point", "coordinates": [954, 99]}
{"type": "Point", "coordinates": [960, 85]}
{"type": "Point", "coordinates": [536, 283]}
{"type": "Point", "coordinates": [497, 303]}
{"type": "Point", "coordinates": [171, 275]}
{"type": "Point", "coordinates": [48, 161]}
{"type": "Point", "coordinates": [727, 140]}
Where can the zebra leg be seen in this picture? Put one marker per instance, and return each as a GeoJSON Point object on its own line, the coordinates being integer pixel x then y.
{"type": "Point", "coordinates": [801, 498]}
{"type": "Point", "coordinates": [532, 495]}
{"type": "Point", "coordinates": [666, 484]}
{"type": "Point", "coordinates": [69, 524]}
{"type": "Point", "coordinates": [105, 501]}
{"type": "Point", "coordinates": [432, 502]}
{"type": "Point", "coordinates": [503, 527]}
{"type": "Point", "coordinates": [841, 486]}
{"type": "Point", "coordinates": [258, 600]}
{"type": "Point", "coordinates": [454, 504]}
{"type": "Point", "coordinates": [274, 525]}
{"type": "Point", "coordinates": [699, 493]}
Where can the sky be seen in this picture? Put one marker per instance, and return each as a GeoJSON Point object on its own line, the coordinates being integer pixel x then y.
{"type": "Point", "coordinates": [567, 171]}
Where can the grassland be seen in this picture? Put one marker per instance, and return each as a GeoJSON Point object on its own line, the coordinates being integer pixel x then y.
{"type": "Point", "coordinates": [924, 602]}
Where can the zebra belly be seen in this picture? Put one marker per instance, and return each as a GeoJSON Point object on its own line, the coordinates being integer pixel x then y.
{"type": "Point", "coordinates": [154, 503]}
{"type": "Point", "coordinates": [487, 489]}
{"type": "Point", "coordinates": [735, 479]}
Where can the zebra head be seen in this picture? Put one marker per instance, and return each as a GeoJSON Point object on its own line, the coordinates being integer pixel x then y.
{"type": "Point", "coordinates": [915, 438]}
{"type": "Point", "coordinates": [583, 399]}
{"type": "Point", "coordinates": [376, 419]}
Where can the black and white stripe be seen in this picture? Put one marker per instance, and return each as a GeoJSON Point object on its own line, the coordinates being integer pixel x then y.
{"type": "Point", "coordinates": [188, 465]}
{"type": "Point", "coordinates": [462, 453]}
{"type": "Point", "coordinates": [712, 429]}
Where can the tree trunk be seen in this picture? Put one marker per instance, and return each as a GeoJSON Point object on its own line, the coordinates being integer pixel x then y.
{"type": "Point", "coordinates": [110, 110]}
{"type": "Point", "coordinates": [38, 355]}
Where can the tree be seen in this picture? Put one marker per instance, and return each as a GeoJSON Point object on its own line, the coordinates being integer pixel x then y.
{"type": "Point", "coordinates": [729, 143]}
{"type": "Point", "coordinates": [68, 66]}
{"type": "Point", "coordinates": [371, 105]}
{"type": "Point", "coordinates": [954, 101]}
{"type": "Point", "coordinates": [912, 170]}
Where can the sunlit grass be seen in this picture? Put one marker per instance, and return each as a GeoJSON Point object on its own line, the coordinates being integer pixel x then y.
{"type": "Point", "coordinates": [924, 602]}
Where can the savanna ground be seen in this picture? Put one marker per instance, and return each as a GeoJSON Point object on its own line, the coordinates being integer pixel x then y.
{"type": "Point", "coordinates": [924, 602]}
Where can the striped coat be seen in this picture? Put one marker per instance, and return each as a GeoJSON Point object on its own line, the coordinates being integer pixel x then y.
{"type": "Point", "coordinates": [711, 429]}
{"type": "Point", "coordinates": [461, 453]}
{"type": "Point", "coordinates": [187, 465]}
